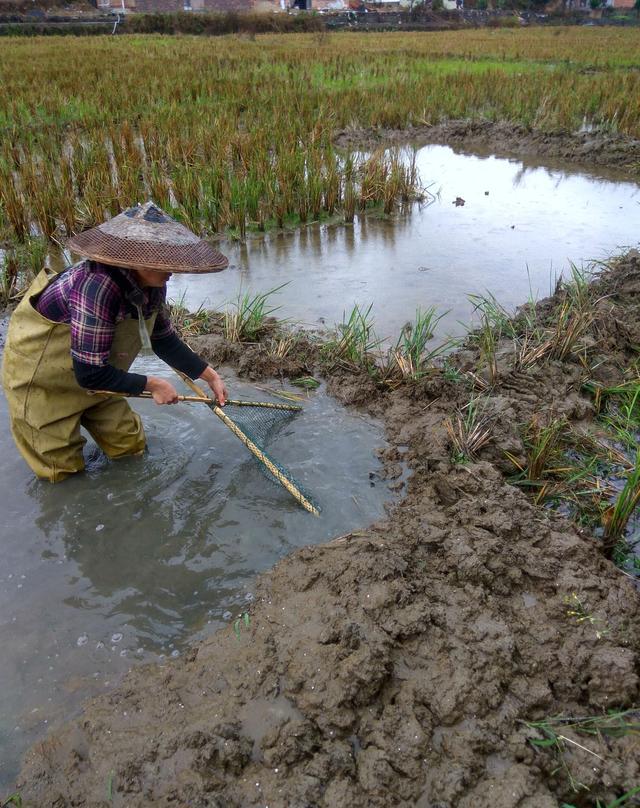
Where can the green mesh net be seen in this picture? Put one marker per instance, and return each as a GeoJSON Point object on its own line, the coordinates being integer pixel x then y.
{"type": "Point", "coordinates": [260, 424]}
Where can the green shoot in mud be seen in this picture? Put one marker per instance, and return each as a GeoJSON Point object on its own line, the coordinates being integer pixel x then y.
{"type": "Point", "coordinates": [248, 319]}
{"type": "Point", "coordinates": [488, 337]}
{"type": "Point", "coordinates": [543, 442]}
{"type": "Point", "coordinates": [493, 315]}
{"type": "Point", "coordinates": [566, 467]}
{"type": "Point", "coordinates": [619, 410]}
{"type": "Point", "coordinates": [109, 789]}
{"type": "Point", "coordinates": [450, 372]}
{"type": "Point", "coordinates": [306, 382]}
{"type": "Point", "coordinates": [245, 620]}
{"type": "Point", "coordinates": [412, 357]}
{"type": "Point", "coordinates": [469, 430]}
{"type": "Point", "coordinates": [573, 317]}
{"type": "Point", "coordinates": [620, 801]}
{"type": "Point", "coordinates": [355, 340]}
{"type": "Point", "coordinates": [554, 734]}
{"type": "Point", "coordinates": [13, 801]}
{"type": "Point", "coordinates": [534, 341]}
{"type": "Point", "coordinates": [571, 325]}
{"type": "Point", "coordinates": [616, 518]}
{"type": "Point", "coordinates": [578, 287]}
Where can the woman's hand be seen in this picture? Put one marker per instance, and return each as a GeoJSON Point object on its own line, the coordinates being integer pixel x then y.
{"type": "Point", "coordinates": [214, 381]}
{"type": "Point", "coordinates": [163, 392]}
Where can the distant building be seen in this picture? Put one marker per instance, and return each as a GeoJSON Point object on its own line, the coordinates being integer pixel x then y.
{"type": "Point", "coordinates": [149, 6]}
{"type": "Point", "coordinates": [382, 5]}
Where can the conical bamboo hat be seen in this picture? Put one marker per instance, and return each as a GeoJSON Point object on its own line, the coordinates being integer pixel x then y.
{"type": "Point", "coordinates": [145, 237]}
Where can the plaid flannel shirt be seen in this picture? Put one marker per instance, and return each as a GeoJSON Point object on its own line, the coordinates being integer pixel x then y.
{"type": "Point", "coordinates": [88, 298]}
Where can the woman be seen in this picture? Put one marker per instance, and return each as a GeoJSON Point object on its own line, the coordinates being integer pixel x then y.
{"type": "Point", "coordinates": [80, 331]}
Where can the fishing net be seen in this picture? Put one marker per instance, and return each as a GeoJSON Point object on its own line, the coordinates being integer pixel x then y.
{"type": "Point", "coordinates": [258, 424]}
{"type": "Point", "coordinates": [261, 425]}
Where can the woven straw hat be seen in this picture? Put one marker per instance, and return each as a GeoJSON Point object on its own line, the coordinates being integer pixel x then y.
{"type": "Point", "coordinates": [145, 237]}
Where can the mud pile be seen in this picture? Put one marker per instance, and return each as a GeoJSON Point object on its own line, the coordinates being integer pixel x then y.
{"type": "Point", "coordinates": [508, 139]}
{"type": "Point", "coordinates": [395, 666]}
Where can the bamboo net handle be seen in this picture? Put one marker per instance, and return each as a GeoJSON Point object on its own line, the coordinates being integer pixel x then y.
{"type": "Point", "coordinates": [206, 400]}
{"type": "Point", "coordinates": [251, 446]}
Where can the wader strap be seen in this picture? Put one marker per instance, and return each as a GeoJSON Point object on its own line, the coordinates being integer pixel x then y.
{"type": "Point", "coordinates": [145, 341]}
{"type": "Point", "coordinates": [134, 296]}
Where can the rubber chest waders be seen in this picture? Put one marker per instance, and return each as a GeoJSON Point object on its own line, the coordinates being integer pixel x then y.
{"type": "Point", "coordinates": [47, 406]}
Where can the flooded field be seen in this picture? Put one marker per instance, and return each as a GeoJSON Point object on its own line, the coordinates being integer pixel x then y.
{"type": "Point", "coordinates": [520, 227]}
{"type": "Point", "coordinates": [431, 657]}
{"type": "Point", "coordinates": [85, 596]}
{"type": "Point", "coordinates": [464, 644]}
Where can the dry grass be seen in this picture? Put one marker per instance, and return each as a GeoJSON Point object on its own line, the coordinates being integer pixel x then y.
{"type": "Point", "coordinates": [469, 430]}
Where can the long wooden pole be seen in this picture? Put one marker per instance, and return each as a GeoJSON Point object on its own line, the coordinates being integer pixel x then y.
{"type": "Point", "coordinates": [251, 446]}
{"type": "Point", "coordinates": [206, 400]}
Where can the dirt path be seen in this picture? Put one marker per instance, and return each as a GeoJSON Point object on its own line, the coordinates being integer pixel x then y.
{"type": "Point", "coordinates": [395, 666]}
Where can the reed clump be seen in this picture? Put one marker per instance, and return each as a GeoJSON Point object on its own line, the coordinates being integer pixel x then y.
{"type": "Point", "coordinates": [248, 317]}
{"type": "Point", "coordinates": [469, 430]}
{"type": "Point", "coordinates": [415, 354]}
{"type": "Point", "coordinates": [354, 343]}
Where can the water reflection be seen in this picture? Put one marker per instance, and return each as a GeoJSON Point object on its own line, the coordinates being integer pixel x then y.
{"type": "Point", "coordinates": [521, 225]}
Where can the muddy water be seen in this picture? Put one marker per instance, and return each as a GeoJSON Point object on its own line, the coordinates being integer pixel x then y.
{"type": "Point", "coordinates": [131, 560]}
{"type": "Point", "coordinates": [518, 229]}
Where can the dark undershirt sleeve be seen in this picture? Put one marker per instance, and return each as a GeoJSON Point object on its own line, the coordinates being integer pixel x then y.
{"type": "Point", "coordinates": [172, 350]}
{"type": "Point", "coordinates": [108, 377]}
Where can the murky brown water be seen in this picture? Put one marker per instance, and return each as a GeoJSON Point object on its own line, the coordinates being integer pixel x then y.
{"type": "Point", "coordinates": [132, 559]}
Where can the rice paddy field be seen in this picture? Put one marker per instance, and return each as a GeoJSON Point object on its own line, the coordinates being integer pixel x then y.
{"type": "Point", "coordinates": [234, 133]}
{"type": "Point", "coordinates": [477, 644]}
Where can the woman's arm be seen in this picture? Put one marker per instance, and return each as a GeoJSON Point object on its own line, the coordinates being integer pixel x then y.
{"type": "Point", "coordinates": [168, 346]}
{"type": "Point", "coordinates": [114, 380]}
{"type": "Point", "coordinates": [108, 377]}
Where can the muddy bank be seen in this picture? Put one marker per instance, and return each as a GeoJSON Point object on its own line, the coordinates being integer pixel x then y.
{"type": "Point", "coordinates": [396, 666]}
{"type": "Point", "coordinates": [507, 140]}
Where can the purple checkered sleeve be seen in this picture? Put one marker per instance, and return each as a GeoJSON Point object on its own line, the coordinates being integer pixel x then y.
{"type": "Point", "coordinates": [91, 301]}
{"type": "Point", "coordinates": [94, 304]}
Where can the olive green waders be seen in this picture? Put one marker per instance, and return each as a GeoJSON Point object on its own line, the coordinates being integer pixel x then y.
{"type": "Point", "coordinates": [47, 406]}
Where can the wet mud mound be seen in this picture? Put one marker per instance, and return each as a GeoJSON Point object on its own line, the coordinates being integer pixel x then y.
{"type": "Point", "coordinates": [408, 664]}
{"type": "Point", "coordinates": [507, 139]}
